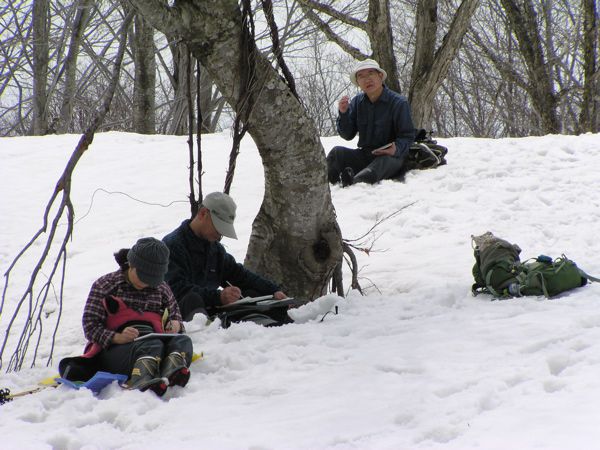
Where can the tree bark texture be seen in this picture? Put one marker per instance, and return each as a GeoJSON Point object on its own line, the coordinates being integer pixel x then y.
{"type": "Point", "coordinates": [144, 102]}
{"type": "Point", "coordinates": [40, 67]}
{"type": "Point", "coordinates": [524, 24]}
{"type": "Point", "coordinates": [431, 66]}
{"type": "Point", "coordinates": [589, 118]}
{"type": "Point", "coordinates": [79, 24]}
{"type": "Point", "coordinates": [181, 67]}
{"type": "Point", "coordinates": [379, 30]}
{"type": "Point", "coordinates": [295, 238]}
{"type": "Point", "coordinates": [211, 103]}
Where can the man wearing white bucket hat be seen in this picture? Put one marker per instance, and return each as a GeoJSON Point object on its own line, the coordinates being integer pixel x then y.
{"type": "Point", "coordinates": [382, 119]}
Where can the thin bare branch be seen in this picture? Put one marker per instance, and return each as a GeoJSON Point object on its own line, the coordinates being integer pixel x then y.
{"type": "Point", "coordinates": [34, 312]}
{"type": "Point", "coordinates": [333, 36]}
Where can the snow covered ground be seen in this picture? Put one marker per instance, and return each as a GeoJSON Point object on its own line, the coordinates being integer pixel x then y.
{"type": "Point", "coordinates": [417, 363]}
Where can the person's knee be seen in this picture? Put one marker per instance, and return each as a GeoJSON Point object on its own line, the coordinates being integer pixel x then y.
{"type": "Point", "coordinates": [148, 347]}
{"type": "Point", "coordinates": [335, 150]}
{"type": "Point", "coordinates": [382, 168]}
{"type": "Point", "coordinates": [182, 344]}
{"type": "Point", "coordinates": [367, 175]}
{"type": "Point", "coordinates": [333, 156]}
{"type": "Point", "coordinates": [333, 164]}
{"type": "Point", "coordinates": [191, 304]}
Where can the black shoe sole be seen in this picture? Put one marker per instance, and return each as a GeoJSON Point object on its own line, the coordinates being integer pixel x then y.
{"type": "Point", "coordinates": [157, 385]}
{"type": "Point", "coordinates": [179, 377]}
{"type": "Point", "coordinates": [159, 388]}
{"type": "Point", "coordinates": [347, 177]}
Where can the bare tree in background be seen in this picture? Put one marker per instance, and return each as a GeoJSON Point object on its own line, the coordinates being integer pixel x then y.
{"type": "Point", "coordinates": [144, 104]}
{"type": "Point", "coordinates": [376, 25]}
{"type": "Point", "coordinates": [181, 77]}
{"type": "Point", "coordinates": [59, 89]}
{"type": "Point", "coordinates": [70, 65]}
{"type": "Point", "coordinates": [539, 71]}
{"type": "Point", "coordinates": [212, 103]}
{"type": "Point", "coordinates": [431, 65]}
{"type": "Point", "coordinates": [31, 304]}
{"type": "Point", "coordinates": [531, 66]}
{"type": "Point", "coordinates": [589, 118]}
{"type": "Point", "coordinates": [524, 24]}
{"type": "Point", "coordinates": [40, 67]}
{"type": "Point", "coordinates": [321, 80]}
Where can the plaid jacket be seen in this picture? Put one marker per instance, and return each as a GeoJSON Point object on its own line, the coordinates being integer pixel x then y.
{"type": "Point", "coordinates": [148, 299]}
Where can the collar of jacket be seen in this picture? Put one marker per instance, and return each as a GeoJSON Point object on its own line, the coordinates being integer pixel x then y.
{"type": "Point", "coordinates": [192, 241]}
{"type": "Point", "coordinates": [384, 97]}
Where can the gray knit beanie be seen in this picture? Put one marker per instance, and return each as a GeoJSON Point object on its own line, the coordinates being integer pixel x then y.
{"type": "Point", "coordinates": [150, 258]}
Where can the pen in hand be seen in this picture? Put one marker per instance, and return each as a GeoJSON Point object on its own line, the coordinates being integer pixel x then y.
{"type": "Point", "coordinates": [230, 294]}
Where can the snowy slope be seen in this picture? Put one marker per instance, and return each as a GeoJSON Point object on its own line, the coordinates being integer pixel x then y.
{"type": "Point", "coordinates": [417, 363]}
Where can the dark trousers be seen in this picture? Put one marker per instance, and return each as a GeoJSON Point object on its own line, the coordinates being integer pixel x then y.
{"type": "Point", "coordinates": [192, 303]}
{"type": "Point", "coordinates": [367, 167]}
{"type": "Point", "coordinates": [121, 358]}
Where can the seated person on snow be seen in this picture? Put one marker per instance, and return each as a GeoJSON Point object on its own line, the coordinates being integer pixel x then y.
{"type": "Point", "coordinates": [202, 275]}
{"type": "Point", "coordinates": [124, 305]}
{"type": "Point", "coordinates": [380, 116]}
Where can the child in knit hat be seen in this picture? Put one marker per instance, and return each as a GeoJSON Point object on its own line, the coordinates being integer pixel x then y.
{"type": "Point", "coordinates": [123, 307]}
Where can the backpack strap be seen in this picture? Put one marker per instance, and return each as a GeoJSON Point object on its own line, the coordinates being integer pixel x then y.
{"type": "Point", "coordinates": [430, 152]}
{"type": "Point", "coordinates": [589, 277]}
{"type": "Point", "coordinates": [583, 273]}
{"type": "Point", "coordinates": [488, 285]}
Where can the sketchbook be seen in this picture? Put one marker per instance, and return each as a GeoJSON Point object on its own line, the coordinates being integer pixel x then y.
{"type": "Point", "coordinates": [265, 300]}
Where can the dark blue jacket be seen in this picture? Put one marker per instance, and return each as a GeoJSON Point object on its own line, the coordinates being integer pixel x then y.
{"type": "Point", "coordinates": [197, 265]}
{"type": "Point", "coordinates": [387, 120]}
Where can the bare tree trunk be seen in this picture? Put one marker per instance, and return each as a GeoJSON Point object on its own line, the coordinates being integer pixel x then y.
{"type": "Point", "coordinates": [295, 237]}
{"type": "Point", "coordinates": [211, 103]}
{"type": "Point", "coordinates": [430, 67]}
{"type": "Point", "coordinates": [379, 30]}
{"type": "Point", "coordinates": [66, 110]}
{"type": "Point", "coordinates": [181, 67]}
{"type": "Point", "coordinates": [144, 104]}
{"type": "Point", "coordinates": [589, 119]}
{"type": "Point", "coordinates": [40, 67]}
{"type": "Point", "coordinates": [524, 24]}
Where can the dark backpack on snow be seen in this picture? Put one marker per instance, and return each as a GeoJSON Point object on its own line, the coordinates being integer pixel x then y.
{"type": "Point", "coordinates": [269, 313]}
{"type": "Point", "coordinates": [425, 153]}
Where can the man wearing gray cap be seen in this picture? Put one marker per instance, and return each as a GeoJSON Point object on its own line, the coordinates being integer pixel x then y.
{"type": "Point", "coordinates": [202, 275]}
{"type": "Point", "coordinates": [382, 119]}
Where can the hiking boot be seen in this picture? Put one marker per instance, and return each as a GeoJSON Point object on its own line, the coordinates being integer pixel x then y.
{"type": "Point", "coordinates": [175, 370]}
{"type": "Point", "coordinates": [144, 376]}
{"type": "Point", "coordinates": [347, 177]}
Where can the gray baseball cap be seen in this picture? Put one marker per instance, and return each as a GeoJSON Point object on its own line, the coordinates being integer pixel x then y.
{"type": "Point", "coordinates": [222, 212]}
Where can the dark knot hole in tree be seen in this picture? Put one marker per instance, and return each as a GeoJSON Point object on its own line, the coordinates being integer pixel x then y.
{"type": "Point", "coordinates": [321, 250]}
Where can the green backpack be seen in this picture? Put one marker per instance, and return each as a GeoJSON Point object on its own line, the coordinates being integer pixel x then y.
{"type": "Point", "coordinates": [543, 276]}
{"type": "Point", "coordinates": [496, 265]}
{"type": "Point", "coordinates": [499, 272]}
